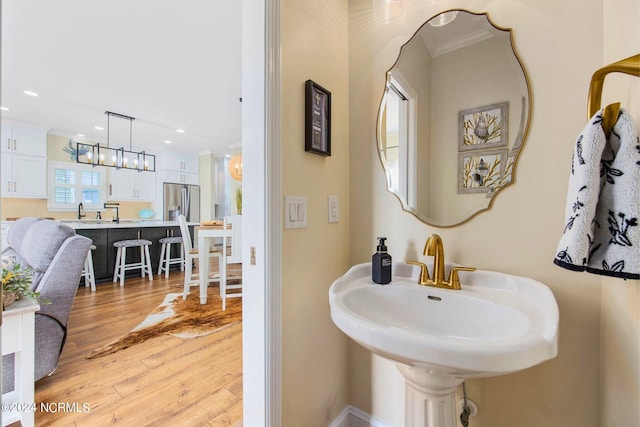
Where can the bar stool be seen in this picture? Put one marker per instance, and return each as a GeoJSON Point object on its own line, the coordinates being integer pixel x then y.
{"type": "Point", "coordinates": [165, 255]}
{"type": "Point", "coordinates": [87, 271]}
{"type": "Point", "coordinates": [121, 265]}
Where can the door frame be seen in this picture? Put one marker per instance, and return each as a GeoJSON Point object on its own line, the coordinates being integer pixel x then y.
{"type": "Point", "coordinates": [262, 230]}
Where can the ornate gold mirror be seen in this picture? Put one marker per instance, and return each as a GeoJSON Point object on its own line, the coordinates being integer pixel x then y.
{"type": "Point", "coordinates": [453, 118]}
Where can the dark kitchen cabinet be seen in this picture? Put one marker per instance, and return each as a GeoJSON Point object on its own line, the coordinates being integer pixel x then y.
{"type": "Point", "coordinates": [104, 256]}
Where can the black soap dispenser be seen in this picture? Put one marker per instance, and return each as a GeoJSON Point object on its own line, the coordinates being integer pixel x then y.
{"type": "Point", "coordinates": [381, 264]}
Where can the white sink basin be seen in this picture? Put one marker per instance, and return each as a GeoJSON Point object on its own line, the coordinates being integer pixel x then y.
{"type": "Point", "coordinates": [496, 324]}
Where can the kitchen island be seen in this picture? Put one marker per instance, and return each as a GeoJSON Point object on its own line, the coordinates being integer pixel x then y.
{"type": "Point", "coordinates": [104, 233]}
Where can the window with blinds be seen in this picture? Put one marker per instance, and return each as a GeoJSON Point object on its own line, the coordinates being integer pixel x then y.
{"type": "Point", "coordinates": [72, 183]}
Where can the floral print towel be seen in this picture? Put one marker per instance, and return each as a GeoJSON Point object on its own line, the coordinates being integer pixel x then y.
{"type": "Point", "coordinates": [601, 233]}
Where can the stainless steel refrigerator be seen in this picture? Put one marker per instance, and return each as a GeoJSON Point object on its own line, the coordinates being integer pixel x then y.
{"type": "Point", "coordinates": [181, 199]}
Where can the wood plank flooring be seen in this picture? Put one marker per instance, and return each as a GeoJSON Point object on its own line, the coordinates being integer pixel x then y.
{"type": "Point", "coordinates": [166, 381]}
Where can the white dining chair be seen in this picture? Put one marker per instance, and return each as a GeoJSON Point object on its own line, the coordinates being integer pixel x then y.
{"type": "Point", "coordinates": [234, 257]}
{"type": "Point", "coordinates": [190, 255]}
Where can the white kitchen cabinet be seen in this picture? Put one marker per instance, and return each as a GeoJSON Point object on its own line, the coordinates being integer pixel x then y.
{"type": "Point", "coordinates": [24, 161]}
{"type": "Point", "coordinates": [183, 163]}
{"type": "Point", "coordinates": [131, 185]}
{"type": "Point", "coordinates": [24, 176]}
{"type": "Point", "coordinates": [180, 177]}
{"type": "Point", "coordinates": [146, 183]}
{"type": "Point", "coordinates": [22, 139]}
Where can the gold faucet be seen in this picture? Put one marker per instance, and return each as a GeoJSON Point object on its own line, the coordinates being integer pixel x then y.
{"type": "Point", "coordinates": [435, 248]}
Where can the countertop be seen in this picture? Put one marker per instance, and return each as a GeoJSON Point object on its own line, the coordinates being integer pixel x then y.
{"type": "Point", "coordinates": [124, 223]}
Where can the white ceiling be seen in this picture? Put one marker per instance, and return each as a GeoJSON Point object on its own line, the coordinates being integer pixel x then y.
{"type": "Point", "coordinates": [170, 64]}
{"type": "Point", "coordinates": [465, 30]}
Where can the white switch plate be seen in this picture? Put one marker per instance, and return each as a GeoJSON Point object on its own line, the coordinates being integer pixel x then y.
{"type": "Point", "coordinates": [295, 212]}
{"type": "Point", "coordinates": [332, 203]}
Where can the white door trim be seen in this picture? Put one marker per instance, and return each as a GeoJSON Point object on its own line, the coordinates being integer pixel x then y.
{"type": "Point", "coordinates": [262, 228]}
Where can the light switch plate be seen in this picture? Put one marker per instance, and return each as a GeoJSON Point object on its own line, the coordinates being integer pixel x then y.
{"type": "Point", "coordinates": [332, 204]}
{"type": "Point", "coordinates": [295, 212]}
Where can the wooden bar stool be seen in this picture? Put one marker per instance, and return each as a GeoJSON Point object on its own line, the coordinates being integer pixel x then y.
{"type": "Point", "coordinates": [87, 272]}
{"type": "Point", "coordinates": [121, 265]}
{"type": "Point", "coordinates": [165, 255]}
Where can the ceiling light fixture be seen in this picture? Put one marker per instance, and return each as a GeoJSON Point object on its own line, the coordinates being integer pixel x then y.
{"type": "Point", "coordinates": [31, 93]}
{"type": "Point", "coordinates": [180, 130]}
{"type": "Point", "coordinates": [98, 128]}
{"type": "Point", "coordinates": [118, 158]}
{"type": "Point", "coordinates": [235, 167]}
{"type": "Point", "coordinates": [5, 108]}
{"type": "Point", "coordinates": [166, 141]}
{"type": "Point", "coordinates": [443, 19]}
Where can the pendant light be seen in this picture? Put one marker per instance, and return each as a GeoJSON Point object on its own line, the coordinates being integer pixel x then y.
{"type": "Point", "coordinates": [235, 167]}
{"type": "Point", "coordinates": [119, 158]}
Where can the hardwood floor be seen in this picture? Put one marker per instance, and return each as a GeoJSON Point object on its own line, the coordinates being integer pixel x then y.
{"type": "Point", "coordinates": [166, 381]}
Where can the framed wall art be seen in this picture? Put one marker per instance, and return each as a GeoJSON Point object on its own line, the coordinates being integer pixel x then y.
{"type": "Point", "coordinates": [317, 119]}
{"type": "Point", "coordinates": [481, 171]}
{"type": "Point", "coordinates": [483, 127]}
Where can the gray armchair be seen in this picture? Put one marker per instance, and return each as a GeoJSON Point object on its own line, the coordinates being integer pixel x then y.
{"type": "Point", "coordinates": [56, 255]}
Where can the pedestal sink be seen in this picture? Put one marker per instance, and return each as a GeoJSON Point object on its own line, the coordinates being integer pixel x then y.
{"type": "Point", "coordinates": [496, 324]}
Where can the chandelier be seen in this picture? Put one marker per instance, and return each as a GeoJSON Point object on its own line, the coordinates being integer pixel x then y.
{"type": "Point", "coordinates": [119, 158]}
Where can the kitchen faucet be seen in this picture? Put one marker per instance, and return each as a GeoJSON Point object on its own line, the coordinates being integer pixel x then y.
{"type": "Point", "coordinates": [112, 205]}
{"type": "Point", "coordinates": [80, 209]}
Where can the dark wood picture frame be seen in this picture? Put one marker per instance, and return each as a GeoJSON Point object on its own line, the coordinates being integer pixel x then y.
{"type": "Point", "coordinates": [317, 129]}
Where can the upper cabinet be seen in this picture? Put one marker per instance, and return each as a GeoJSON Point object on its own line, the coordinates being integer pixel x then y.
{"type": "Point", "coordinates": [131, 185]}
{"type": "Point", "coordinates": [24, 176]}
{"type": "Point", "coordinates": [21, 139]}
{"type": "Point", "coordinates": [178, 168]}
{"type": "Point", "coordinates": [184, 163]}
{"type": "Point", "coordinates": [24, 161]}
{"type": "Point", "coordinates": [179, 178]}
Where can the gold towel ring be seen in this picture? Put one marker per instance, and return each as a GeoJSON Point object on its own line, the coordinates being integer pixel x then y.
{"type": "Point", "coordinates": [630, 66]}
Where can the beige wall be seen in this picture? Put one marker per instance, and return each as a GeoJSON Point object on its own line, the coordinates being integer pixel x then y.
{"type": "Point", "coordinates": [207, 184]}
{"type": "Point", "coordinates": [620, 316]}
{"type": "Point", "coordinates": [560, 49]}
{"type": "Point", "coordinates": [14, 207]}
{"type": "Point", "coordinates": [314, 352]}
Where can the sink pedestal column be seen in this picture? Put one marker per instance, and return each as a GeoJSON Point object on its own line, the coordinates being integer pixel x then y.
{"type": "Point", "coordinates": [429, 398]}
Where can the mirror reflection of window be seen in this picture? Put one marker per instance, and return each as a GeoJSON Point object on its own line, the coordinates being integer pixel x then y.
{"type": "Point", "coordinates": [397, 127]}
{"type": "Point", "coordinates": [396, 119]}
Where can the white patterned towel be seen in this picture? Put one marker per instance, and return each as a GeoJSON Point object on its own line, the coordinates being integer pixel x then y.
{"type": "Point", "coordinates": [602, 234]}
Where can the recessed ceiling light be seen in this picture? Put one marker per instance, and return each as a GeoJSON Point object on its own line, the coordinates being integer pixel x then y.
{"type": "Point", "coordinates": [81, 135]}
{"type": "Point", "coordinates": [180, 130]}
{"type": "Point", "coordinates": [31, 93]}
{"type": "Point", "coordinates": [5, 109]}
{"type": "Point", "coordinates": [166, 141]}
{"type": "Point", "coordinates": [99, 128]}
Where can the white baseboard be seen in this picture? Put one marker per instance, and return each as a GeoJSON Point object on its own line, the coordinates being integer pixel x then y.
{"type": "Point", "coordinates": [351, 416]}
